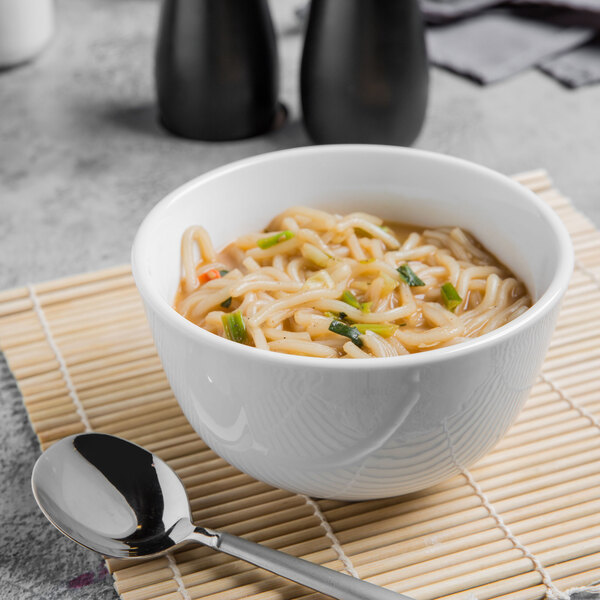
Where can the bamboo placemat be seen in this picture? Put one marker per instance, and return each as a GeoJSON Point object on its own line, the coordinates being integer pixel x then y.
{"type": "Point", "coordinates": [522, 524]}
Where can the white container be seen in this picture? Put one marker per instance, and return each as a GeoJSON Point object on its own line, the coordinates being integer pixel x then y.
{"type": "Point", "coordinates": [355, 429]}
{"type": "Point", "coordinates": [26, 26]}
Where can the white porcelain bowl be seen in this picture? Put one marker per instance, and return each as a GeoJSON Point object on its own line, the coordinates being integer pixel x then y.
{"type": "Point", "coordinates": [354, 429]}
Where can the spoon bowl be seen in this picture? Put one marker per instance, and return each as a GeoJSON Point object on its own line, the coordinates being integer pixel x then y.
{"type": "Point", "coordinates": [111, 496]}
{"type": "Point", "coordinates": [116, 498]}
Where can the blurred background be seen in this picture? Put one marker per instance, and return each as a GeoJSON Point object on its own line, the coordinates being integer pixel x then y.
{"type": "Point", "coordinates": [83, 158]}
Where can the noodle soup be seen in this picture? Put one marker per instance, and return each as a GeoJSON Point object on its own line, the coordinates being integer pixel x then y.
{"type": "Point", "coordinates": [331, 286]}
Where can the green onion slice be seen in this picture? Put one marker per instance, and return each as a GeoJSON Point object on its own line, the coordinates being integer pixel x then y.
{"type": "Point", "coordinates": [341, 316]}
{"type": "Point", "coordinates": [349, 298]}
{"type": "Point", "coordinates": [365, 307]}
{"type": "Point", "coordinates": [227, 303]}
{"type": "Point", "coordinates": [223, 272]}
{"type": "Point", "coordinates": [362, 233]}
{"type": "Point", "coordinates": [383, 329]}
{"type": "Point", "coordinates": [450, 296]}
{"type": "Point", "coordinates": [235, 329]}
{"type": "Point", "coordinates": [346, 330]}
{"type": "Point", "coordinates": [409, 276]}
{"type": "Point", "coordinates": [282, 236]}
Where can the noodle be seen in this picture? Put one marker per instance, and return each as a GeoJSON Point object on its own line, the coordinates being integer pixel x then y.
{"type": "Point", "coordinates": [324, 285]}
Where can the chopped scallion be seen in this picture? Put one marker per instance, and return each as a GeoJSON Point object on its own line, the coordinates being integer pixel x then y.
{"type": "Point", "coordinates": [347, 331]}
{"type": "Point", "coordinates": [383, 329]}
{"type": "Point", "coordinates": [450, 296]}
{"type": "Point", "coordinates": [341, 316]}
{"type": "Point", "coordinates": [349, 298]}
{"type": "Point", "coordinates": [227, 303]}
{"type": "Point", "coordinates": [409, 276]}
{"type": "Point", "coordinates": [235, 329]}
{"type": "Point", "coordinates": [223, 272]}
{"type": "Point", "coordinates": [365, 307]}
{"type": "Point", "coordinates": [359, 231]}
{"type": "Point", "coordinates": [267, 242]}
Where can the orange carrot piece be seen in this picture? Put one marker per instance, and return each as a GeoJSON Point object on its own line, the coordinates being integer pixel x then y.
{"type": "Point", "coordinates": [209, 276]}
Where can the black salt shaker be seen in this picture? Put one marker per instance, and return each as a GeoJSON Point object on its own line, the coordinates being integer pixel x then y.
{"type": "Point", "coordinates": [364, 75]}
{"type": "Point", "coordinates": [216, 68]}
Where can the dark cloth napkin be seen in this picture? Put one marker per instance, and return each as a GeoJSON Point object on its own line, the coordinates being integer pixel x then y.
{"type": "Point", "coordinates": [443, 10]}
{"type": "Point", "coordinates": [498, 43]}
{"type": "Point", "coordinates": [438, 11]}
{"type": "Point", "coordinates": [491, 40]}
{"type": "Point", "coordinates": [578, 67]}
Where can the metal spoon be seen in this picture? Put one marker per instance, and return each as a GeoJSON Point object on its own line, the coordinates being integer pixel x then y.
{"type": "Point", "coordinates": [117, 498]}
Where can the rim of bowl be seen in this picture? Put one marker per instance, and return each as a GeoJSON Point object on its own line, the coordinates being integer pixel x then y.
{"type": "Point", "coordinates": [538, 310]}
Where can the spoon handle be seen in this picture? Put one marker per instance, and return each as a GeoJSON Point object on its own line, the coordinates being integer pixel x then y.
{"type": "Point", "coordinates": [324, 580]}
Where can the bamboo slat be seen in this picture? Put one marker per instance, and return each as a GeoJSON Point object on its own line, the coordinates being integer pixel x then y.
{"type": "Point", "coordinates": [525, 517]}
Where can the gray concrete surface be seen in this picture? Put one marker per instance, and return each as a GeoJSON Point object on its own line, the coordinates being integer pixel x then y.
{"type": "Point", "coordinates": [82, 160]}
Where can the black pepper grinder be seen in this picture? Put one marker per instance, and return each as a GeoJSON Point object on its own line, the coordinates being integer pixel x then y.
{"type": "Point", "coordinates": [216, 68]}
{"type": "Point", "coordinates": [364, 75]}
